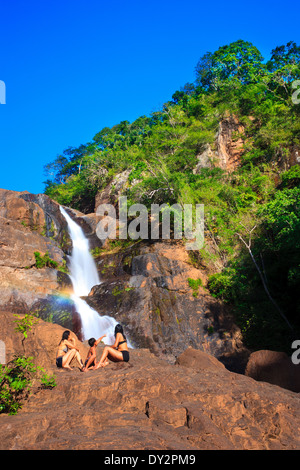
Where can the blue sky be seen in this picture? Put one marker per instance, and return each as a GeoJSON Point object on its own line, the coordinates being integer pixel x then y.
{"type": "Point", "coordinates": [73, 67]}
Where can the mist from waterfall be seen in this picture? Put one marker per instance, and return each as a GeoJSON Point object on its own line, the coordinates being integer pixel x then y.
{"type": "Point", "coordinates": [84, 275]}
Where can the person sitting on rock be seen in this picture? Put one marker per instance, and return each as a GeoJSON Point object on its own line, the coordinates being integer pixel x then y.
{"type": "Point", "coordinates": [90, 361]}
{"type": "Point", "coordinates": [117, 352]}
{"type": "Point", "coordinates": [67, 351]}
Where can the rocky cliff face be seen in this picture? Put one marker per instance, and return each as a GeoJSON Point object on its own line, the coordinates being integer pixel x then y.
{"type": "Point", "coordinates": [146, 288]}
{"type": "Point", "coordinates": [147, 403]}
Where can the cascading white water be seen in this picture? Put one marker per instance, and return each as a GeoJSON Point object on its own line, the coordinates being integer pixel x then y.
{"type": "Point", "coordinates": [84, 276]}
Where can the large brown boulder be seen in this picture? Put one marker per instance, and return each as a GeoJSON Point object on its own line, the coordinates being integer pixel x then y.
{"type": "Point", "coordinates": [274, 367]}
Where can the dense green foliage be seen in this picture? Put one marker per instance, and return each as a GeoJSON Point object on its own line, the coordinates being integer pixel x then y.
{"type": "Point", "coordinates": [16, 381]}
{"type": "Point", "coordinates": [44, 261]}
{"type": "Point", "coordinates": [161, 150]}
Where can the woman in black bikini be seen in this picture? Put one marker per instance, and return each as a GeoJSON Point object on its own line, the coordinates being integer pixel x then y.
{"type": "Point", "coordinates": [67, 351]}
{"type": "Point", "coordinates": [116, 353]}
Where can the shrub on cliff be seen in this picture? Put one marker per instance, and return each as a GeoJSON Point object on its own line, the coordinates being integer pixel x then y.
{"type": "Point", "coordinates": [44, 261]}
{"type": "Point", "coordinates": [16, 381]}
{"type": "Point", "coordinates": [164, 149]}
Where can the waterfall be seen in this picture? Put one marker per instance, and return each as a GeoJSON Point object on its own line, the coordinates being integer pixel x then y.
{"type": "Point", "coordinates": [84, 275]}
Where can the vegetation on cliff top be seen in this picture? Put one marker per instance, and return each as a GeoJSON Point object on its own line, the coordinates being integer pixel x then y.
{"type": "Point", "coordinates": [161, 150]}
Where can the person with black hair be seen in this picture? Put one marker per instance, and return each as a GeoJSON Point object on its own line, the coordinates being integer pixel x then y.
{"type": "Point", "coordinates": [67, 351]}
{"type": "Point", "coordinates": [118, 352]}
{"type": "Point", "coordinates": [90, 361]}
